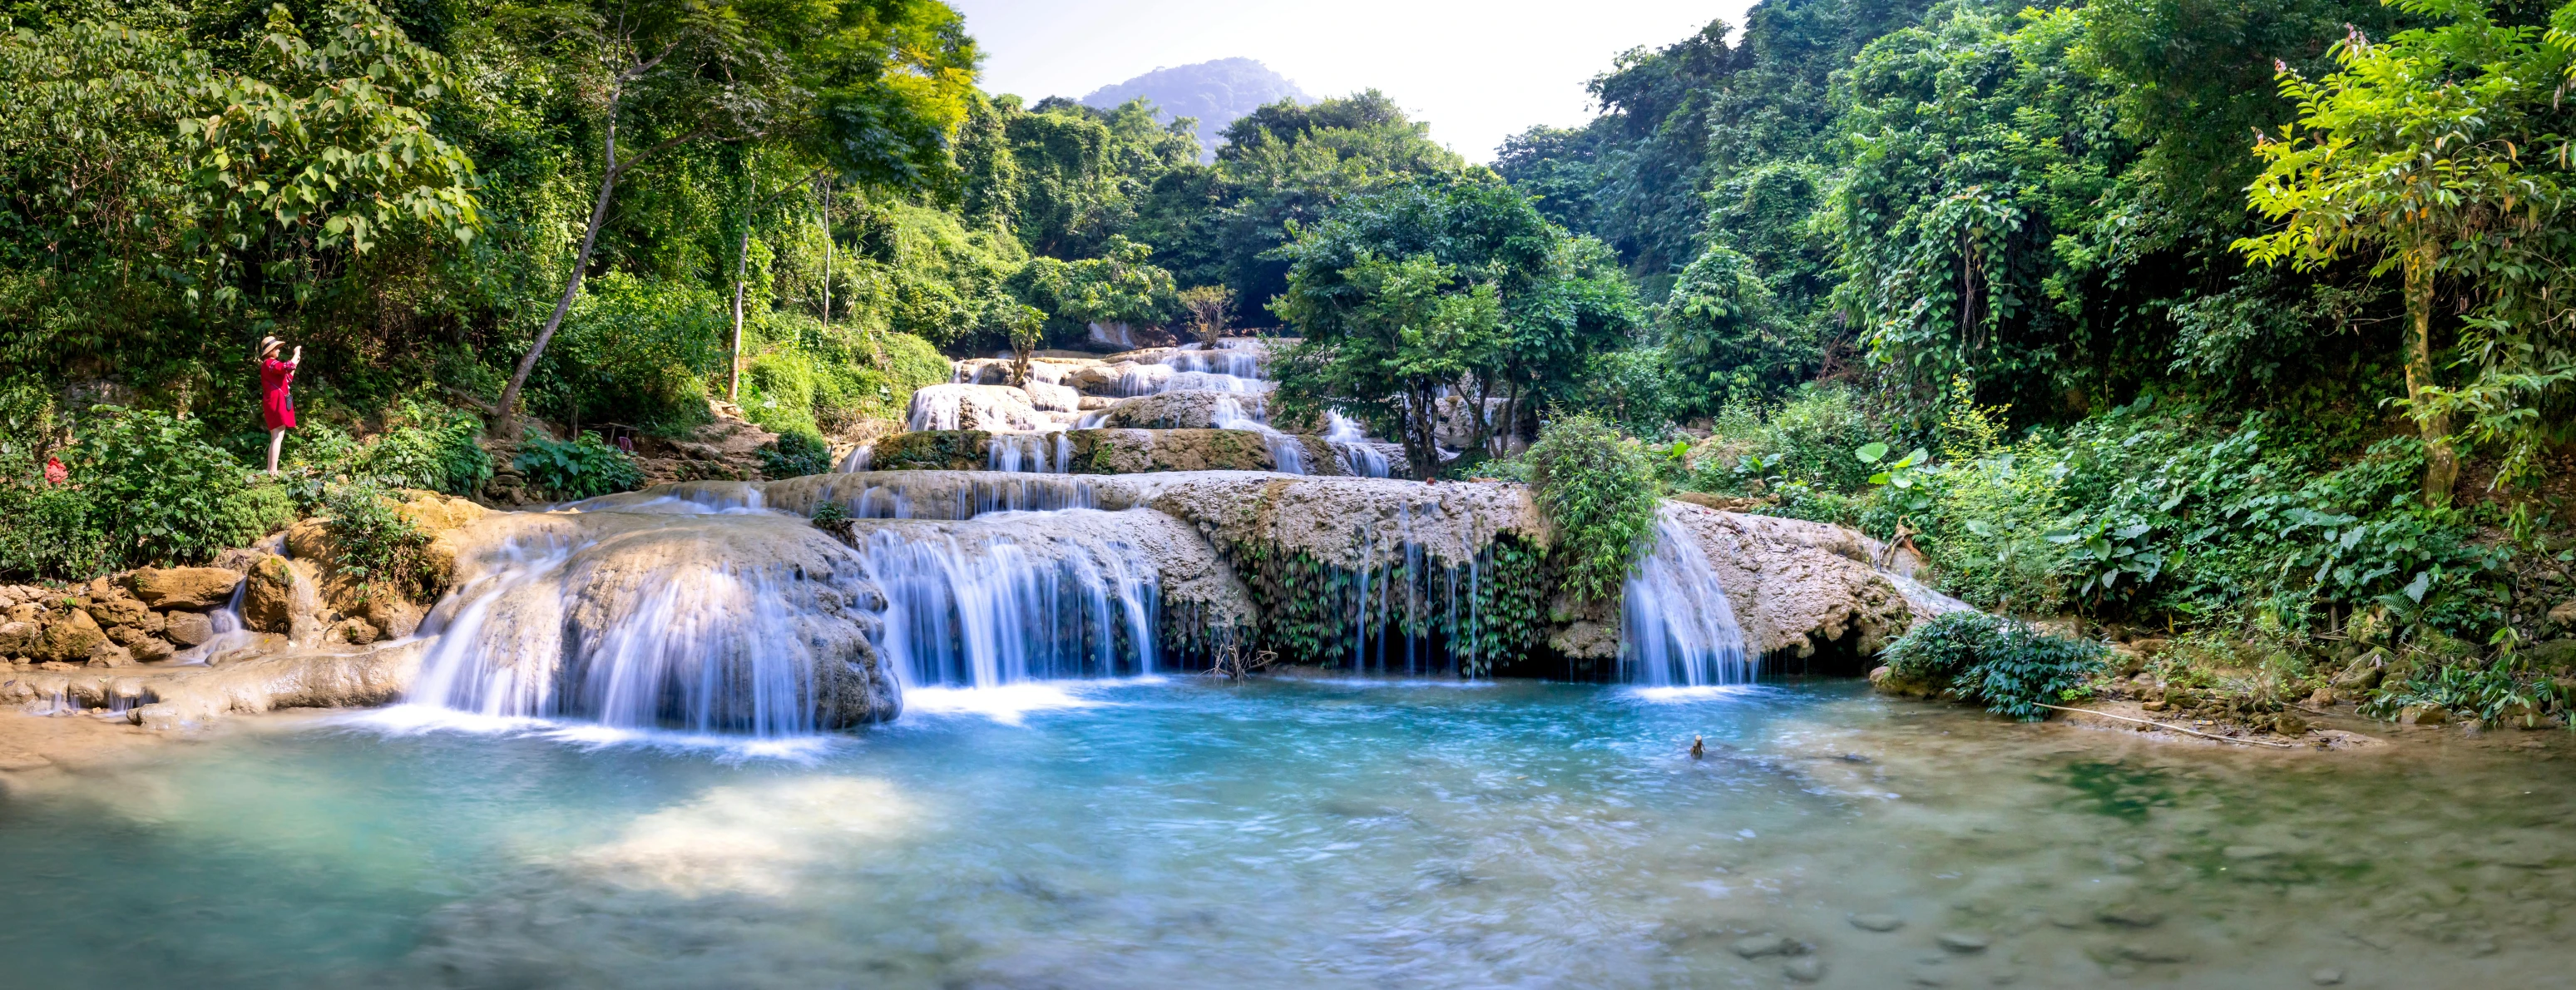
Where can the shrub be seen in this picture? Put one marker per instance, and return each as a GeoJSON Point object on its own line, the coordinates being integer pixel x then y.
{"type": "Point", "coordinates": [378, 548]}
{"type": "Point", "coordinates": [431, 448]}
{"type": "Point", "coordinates": [577, 469]}
{"type": "Point", "coordinates": [637, 351]}
{"type": "Point", "coordinates": [796, 453]}
{"type": "Point", "coordinates": [160, 493]}
{"type": "Point", "coordinates": [1599, 491]}
{"type": "Point", "coordinates": [1999, 662]}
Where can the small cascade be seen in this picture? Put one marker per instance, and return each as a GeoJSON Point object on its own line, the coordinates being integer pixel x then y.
{"type": "Point", "coordinates": [1287, 454]}
{"type": "Point", "coordinates": [1046, 453]}
{"type": "Point", "coordinates": [229, 634]}
{"type": "Point", "coordinates": [642, 617]}
{"type": "Point", "coordinates": [986, 607]}
{"type": "Point", "coordinates": [1238, 358]}
{"type": "Point", "coordinates": [1676, 628]}
{"type": "Point", "coordinates": [953, 495]}
{"type": "Point", "coordinates": [1350, 441]}
{"type": "Point", "coordinates": [857, 459]}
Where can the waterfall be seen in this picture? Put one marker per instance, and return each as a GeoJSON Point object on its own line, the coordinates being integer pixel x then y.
{"type": "Point", "coordinates": [858, 458]}
{"type": "Point", "coordinates": [1675, 626]}
{"type": "Point", "coordinates": [1287, 455]}
{"type": "Point", "coordinates": [1359, 457]}
{"type": "Point", "coordinates": [982, 606]}
{"type": "Point", "coordinates": [744, 623]}
{"type": "Point", "coordinates": [1046, 453]}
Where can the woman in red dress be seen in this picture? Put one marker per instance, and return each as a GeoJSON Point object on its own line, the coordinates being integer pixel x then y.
{"type": "Point", "coordinates": [275, 405]}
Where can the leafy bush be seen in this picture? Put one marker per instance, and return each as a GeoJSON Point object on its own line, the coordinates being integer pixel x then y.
{"type": "Point", "coordinates": [1810, 439]}
{"type": "Point", "coordinates": [431, 448]}
{"type": "Point", "coordinates": [1599, 491]}
{"type": "Point", "coordinates": [162, 494]}
{"type": "Point", "coordinates": [378, 548]}
{"type": "Point", "coordinates": [796, 453]}
{"type": "Point", "coordinates": [1996, 661]}
{"type": "Point", "coordinates": [830, 512]}
{"type": "Point", "coordinates": [638, 352]}
{"type": "Point", "coordinates": [577, 469]}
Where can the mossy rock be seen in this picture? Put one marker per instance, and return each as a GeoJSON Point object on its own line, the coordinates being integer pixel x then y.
{"type": "Point", "coordinates": [2556, 656]}
{"type": "Point", "coordinates": [933, 450]}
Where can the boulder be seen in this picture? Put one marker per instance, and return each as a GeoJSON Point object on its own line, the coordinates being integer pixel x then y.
{"type": "Point", "coordinates": [392, 617]}
{"type": "Point", "coordinates": [277, 594]}
{"type": "Point", "coordinates": [1189, 410]}
{"type": "Point", "coordinates": [151, 649]}
{"type": "Point", "coordinates": [2564, 613]}
{"type": "Point", "coordinates": [20, 637]}
{"type": "Point", "coordinates": [192, 589]}
{"type": "Point", "coordinates": [189, 628]}
{"type": "Point", "coordinates": [117, 610]}
{"type": "Point", "coordinates": [1802, 591]}
{"type": "Point", "coordinates": [110, 655]}
{"type": "Point", "coordinates": [356, 632]}
{"type": "Point", "coordinates": [2423, 715]}
{"type": "Point", "coordinates": [70, 637]}
{"type": "Point", "coordinates": [1886, 680]}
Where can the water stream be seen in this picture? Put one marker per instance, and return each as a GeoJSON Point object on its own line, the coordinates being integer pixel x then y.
{"type": "Point", "coordinates": [1187, 833]}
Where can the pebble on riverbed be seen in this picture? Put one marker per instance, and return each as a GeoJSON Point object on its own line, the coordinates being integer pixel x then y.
{"type": "Point", "coordinates": [1964, 941]}
{"type": "Point", "coordinates": [1877, 922]}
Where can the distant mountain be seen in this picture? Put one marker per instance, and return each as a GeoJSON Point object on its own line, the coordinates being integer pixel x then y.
{"type": "Point", "coordinates": [1214, 92]}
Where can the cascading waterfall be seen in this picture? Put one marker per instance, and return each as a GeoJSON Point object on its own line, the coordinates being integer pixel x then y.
{"type": "Point", "coordinates": [1676, 628]}
{"type": "Point", "coordinates": [1350, 441]}
{"type": "Point", "coordinates": [1045, 453]}
{"type": "Point", "coordinates": [987, 608]}
{"type": "Point", "coordinates": [649, 616]}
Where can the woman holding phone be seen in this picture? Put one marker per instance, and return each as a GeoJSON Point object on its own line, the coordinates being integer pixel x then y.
{"type": "Point", "coordinates": [276, 406]}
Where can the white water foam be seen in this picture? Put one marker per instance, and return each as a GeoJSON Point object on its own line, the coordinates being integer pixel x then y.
{"type": "Point", "coordinates": [1676, 628]}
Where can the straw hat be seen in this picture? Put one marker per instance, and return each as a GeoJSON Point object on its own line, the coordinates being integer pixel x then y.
{"type": "Point", "coordinates": [269, 345]}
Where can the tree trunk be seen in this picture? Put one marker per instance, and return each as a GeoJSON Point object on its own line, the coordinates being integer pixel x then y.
{"type": "Point", "coordinates": [2441, 465]}
{"type": "Point", "coordinates": [741, 256]}
{"type": "Point", "coordinates": [509, 425]}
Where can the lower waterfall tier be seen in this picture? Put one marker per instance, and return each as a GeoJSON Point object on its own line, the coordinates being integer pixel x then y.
{"type": "Point", "coordinates": [722, 607]}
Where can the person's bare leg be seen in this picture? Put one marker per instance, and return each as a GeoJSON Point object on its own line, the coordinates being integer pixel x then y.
{"type": "Point", "coordinates": [276, 442]}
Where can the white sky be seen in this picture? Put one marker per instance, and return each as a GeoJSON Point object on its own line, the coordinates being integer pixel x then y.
{"type": "Point", "coordinates": [1478, 72]}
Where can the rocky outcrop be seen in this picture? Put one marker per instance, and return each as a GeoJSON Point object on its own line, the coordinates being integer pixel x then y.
{"type": "Point", "coordinates": [1185, 410]}
{"type": "Point", "coordinates": [1144, 451]}
{"type": "Point", "coordinates": [193, 589]}
{"type": "Point", "coordinates": [1804, 592]}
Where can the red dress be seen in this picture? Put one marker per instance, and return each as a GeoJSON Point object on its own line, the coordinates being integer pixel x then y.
{"type": "Point", "coordinates": [275, 406]}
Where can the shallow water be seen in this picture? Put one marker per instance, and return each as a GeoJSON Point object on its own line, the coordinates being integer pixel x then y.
{"type": "Point", "coordinates": [1291, 833]}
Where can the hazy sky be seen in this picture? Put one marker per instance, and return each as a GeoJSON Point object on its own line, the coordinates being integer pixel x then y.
{"type": "Point", "coordinates": [1477, 71]}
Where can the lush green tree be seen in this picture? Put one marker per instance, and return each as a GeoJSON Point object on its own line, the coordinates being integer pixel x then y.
{"type": "Point", "coordinates": [1450, 255]}
{"type": "Point", "coordinates": [879, 83]}
{"type": "Point", "coordinates": [2428, 150]}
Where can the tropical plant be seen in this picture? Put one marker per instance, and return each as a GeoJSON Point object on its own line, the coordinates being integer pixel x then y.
{"type": "Point", "coordinates": [1598, 491]}
{"type": "Point", "coordinates": [575, 469]}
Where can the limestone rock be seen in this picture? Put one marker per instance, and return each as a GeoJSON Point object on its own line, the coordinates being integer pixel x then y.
{"type": "Point", "coordinates": [1121, 451]}
{"type": "Point", "coordinates": [392, 617]}
{"type": "Point", "coordinates": [117, 610]}
{"type": "Point", "coordinates": [2423, 715]}
{"type": "Point", "coordinates": [71, 637]}
{"type": "Point", "coordinates": [277, 594]}
{"type": "Point", "coordinates": [20, 637]}
{"type": "Point", "coordinates": [356, 632]}
{"type": "Point", "coordinates": [189, 628]}
{"type": "Point", "coordinates": [107, 654]}
{"type": "Point", "coordinates": [1887, 681]}
{"type": "Point", "coordinates": [2564, 613]}
{"type": "Point", "coordinates": [1800, 589]}
{"type": "Point", "coordinates": [151, 649]}
{"type": "Point", "coordinates": [1183, 410]}
{"type": "Point", "coordinates": [193, 589]}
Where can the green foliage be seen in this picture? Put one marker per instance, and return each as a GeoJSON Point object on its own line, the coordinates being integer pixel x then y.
{"type": "Point", "coordinates": [378, 548]}
{"type": "Point", "coordinates": [829, 512]}
{"type": "Point", "coordinates": [636, 352]}
{"type": "Point", "coordinates": [429, 447]}
{"type": "Point", "coordinates": [577, 469]}
{"type": "Point", "coordinates": [1599, 492]}
{"type": "Point", "coordinates": [795, 454]}
{"type": "Point", "coordinates": [1996, 661]}
{"type": "Point", "coordinates": [1725, 337]}
{"type": "Point", "coordinates": [143, 488]}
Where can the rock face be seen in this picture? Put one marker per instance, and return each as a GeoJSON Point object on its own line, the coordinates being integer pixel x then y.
{"type": "Point", "coordinates": [71, 638]}
{"type": "Point", "coordinates": [753, 623]}
{"type": "Point", "coordinates": [1803, 592]}
{"type": "Point", "coordinates": [192, 589]}
{"type": "Point", "coordinates": [278, 593]}
{"type": "Point", "coordinates": [973, 407]}
{"type": "Point", "coordinates": [1145, 451]}
{"type": "Point", "coordinates": [1183, 410]}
